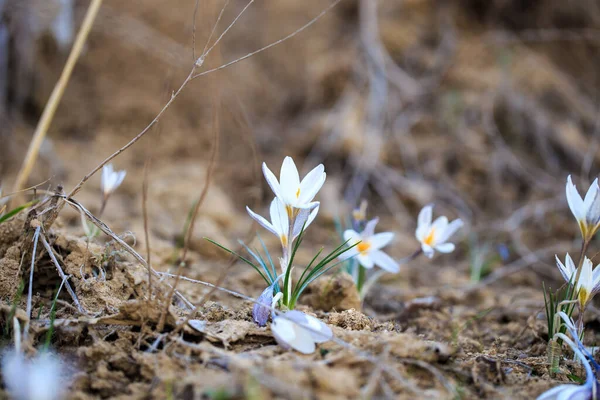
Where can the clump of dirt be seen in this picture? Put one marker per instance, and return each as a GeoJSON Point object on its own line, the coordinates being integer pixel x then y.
{"type": "Point", "coordinates": [336, 293]}
{"type": "Point", "coordinates": [352, 320]}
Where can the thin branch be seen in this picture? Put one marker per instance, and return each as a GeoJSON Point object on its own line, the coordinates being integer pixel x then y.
{"type": "Point", "coordinates": [297, 31]}
{"type": "Point", "coordinates": [36, 237]}
{"type": "Point", "coordinates": [62, 275]}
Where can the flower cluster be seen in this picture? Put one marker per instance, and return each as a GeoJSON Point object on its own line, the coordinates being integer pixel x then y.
{"type": "Point", "coordinates": [291, 212]}
{"type": "Point", "coordinates": [583, 278]}
{"type": "Point", "coordinates": [582, 284]}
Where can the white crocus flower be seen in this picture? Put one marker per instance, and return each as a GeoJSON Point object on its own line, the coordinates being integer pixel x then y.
{"type": "Point", "coordinates": [111, 179]}
{"type": "Point", "coordinates": [293, 193]}
{"type": "Point", "coordinates": [299, 331]}
{"type": "Point", "coordinates": [589, 279]}
{"type": "Point", "coordinates": [40, 378]}
{"type": "Point", "coordinates": [280, 223]}
{"type": "Point", "coordinates": [368, 250]}
{"type": "Point", "coordinates": [434, 236]}
{"type": "Point", "coordinates": [586, 211]}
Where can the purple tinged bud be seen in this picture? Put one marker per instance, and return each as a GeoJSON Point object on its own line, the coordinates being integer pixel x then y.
{"type": "Point", "coordinates": [262, 308]}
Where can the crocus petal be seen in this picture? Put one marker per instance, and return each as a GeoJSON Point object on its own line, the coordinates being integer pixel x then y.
{"type": "Point", "coordinates": [348, 254]}
{"type": "Point", "coordinates": [288, 334]}
{"type": "Point", "coordinates": [351, 236]}
{"type": "Point", "coordinates": [427, 250]}
{"type": "Point", "coordinates": [380, 240]}
{"type": "Point", "coordinates": [596, 276]}
{"type": "Point", "coordinates": [422, 232]}
{"type": "Point", "coordinates": [319, 331]}
{"type": "Point", "coordinates": [384, 261]}
{"type": "Point", "coordinates": [272, 181]}
{"type": "Point", "coordinates": [289, 181]}
{"type": "Point", "coordinates": [311, 184]}
{"type": "Point", "coordinates": [15, 371]}
{"type": "Point", "coordinates": [445, 247]}
{"type": "Point", "coordinates": [570, 264]}
{"type": "Point", "coordinates": [306, 215]}
{"type": "Point", "coordinates": [370, 227]}
{"type": "Point", "coordinates": [575, 201]}
{"type": "Point", "coordinates": [425, 216]}
{"type": "Point", "coordinates": [263, 222]}
{"type": "Point", "coordinates": [565, 272]}
{"type": "Point", "coordinates": [592, 204]}
{"type": "Point", "coordinates": [566, 392]}
{"type": "Point", "coordinates": [450, 230]}
{"type": "Point", "coordinates": [365, 260]}
{"type": "Point", "coordinates": [42, 384]}
{"type": "Point", "coordinates": [279, 217]}
{"type": "Point", "coordinates": [586, 277]}
{"type": "Point", "coordinates": [262, 307]}
{"type": "Point", "coordinates": [119, 178]}
{"type": "Point", "coordinates": [439, 227]}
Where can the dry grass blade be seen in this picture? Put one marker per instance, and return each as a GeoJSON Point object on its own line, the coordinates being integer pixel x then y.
{"type": "Point", "coordinates": [55, 97]}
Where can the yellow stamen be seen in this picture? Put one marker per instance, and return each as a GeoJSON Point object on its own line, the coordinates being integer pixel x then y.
{"type": "Point", "coordinates": [584, 229]}
{"type": "Point", "coordinates": [290, 211]}
{"type": "Point", "coordinates": [298, 193]}
{"type": "Point", "coordinates": [284, 240]}
{"type": "Point", "coordinates": [429, 239]}
{"type": "Point", "coordinates": [363, 247]}
{"type": "Point", "coordinates": [583, 297]}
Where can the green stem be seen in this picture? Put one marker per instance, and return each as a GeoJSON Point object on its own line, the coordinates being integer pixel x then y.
{"type": "Point", "coordinates": [287, 255]}
{"type": "Point", "coordinates": [360, 279]}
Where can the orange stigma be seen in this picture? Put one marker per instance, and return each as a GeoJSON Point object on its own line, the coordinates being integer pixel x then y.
{"type": "Point", "coordinates": [363, 247]}
{"type": "Point", "coordinates": [429, 239]}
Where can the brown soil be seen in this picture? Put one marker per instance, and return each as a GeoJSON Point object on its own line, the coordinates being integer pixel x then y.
{"type": "Point", "coordinates": [485, 125]}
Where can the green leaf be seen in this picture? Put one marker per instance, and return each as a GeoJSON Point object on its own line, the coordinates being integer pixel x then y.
{"type": "Point", "coordinates": [15, 211]}
{"type": "Point", "coordinates": [240, 257]}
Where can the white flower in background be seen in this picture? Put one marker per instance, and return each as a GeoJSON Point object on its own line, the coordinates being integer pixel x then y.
{"type": "Point", "coordinates": [434, 236]}
{"type": "Point", "coordinates": [39, 378]}
{"type": "Point", "coordinates": [280, 223]}
{"type": "Point", "coordinates": [290, 190]}
{"type": "Point", "coordinates": [586, 211]}
{"type": "Point", "coordinates": [368, 250]}
{"type": "Point", "coordinates": [111, 179]}
{"type": "Point", "coordinates": [299, 331]}
{"type": "Point", "coordinates": [589, 279]}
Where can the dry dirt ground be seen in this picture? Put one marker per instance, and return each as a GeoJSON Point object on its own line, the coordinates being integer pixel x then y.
{"type": "Point", "coordinates": [482, 107]}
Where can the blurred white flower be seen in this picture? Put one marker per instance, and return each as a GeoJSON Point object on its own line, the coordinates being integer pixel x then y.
{"type": "Point", "coordinates": [280, 223]}
{"type": "Point", "coordinates": [290, 190]}
{"type": "Point", "coordinates": [434, 236]}
{"type": "Point", "coordinates": [368, 250]}
{"type": "Point", "coordinates": [40, 378]}
{"type": "Point", "coordinates": [569, 392]}
{"type": "Point", "coordinates": [62, 27]}
{"type": "Point", "coordinates": [589, 279]}
{"type": "Point", "coordinates": [586, 211]}
{"type": "Point", "coordinates": [2, 200]}
{"type": "Point", "coordinates": [111, 179]}
{"type": "Point", "coordinates": [299, 331]}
